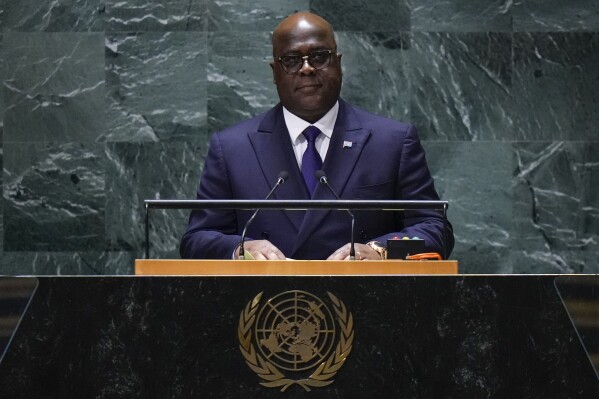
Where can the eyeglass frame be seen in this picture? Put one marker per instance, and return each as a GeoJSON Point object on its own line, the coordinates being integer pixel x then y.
{"type": "Point", "coordinates": [306, 58]}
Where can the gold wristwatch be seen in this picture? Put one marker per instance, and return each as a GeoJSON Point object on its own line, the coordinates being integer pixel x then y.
{"type": "Point", "coordinates": [379, 248]}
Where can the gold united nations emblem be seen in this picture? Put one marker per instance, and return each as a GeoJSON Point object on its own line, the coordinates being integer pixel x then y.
{"type": "Point", "coordinates": [294, 338]}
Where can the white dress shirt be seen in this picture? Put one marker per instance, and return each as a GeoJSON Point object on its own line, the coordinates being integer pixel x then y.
{"type": "Point", "coordinates": [296, 126]}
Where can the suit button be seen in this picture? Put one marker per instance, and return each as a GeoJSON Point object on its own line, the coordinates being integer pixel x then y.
{"type": "Point", "coordinates": [265, 235]}
{"type": "Point", "coordinates": [363, 234]}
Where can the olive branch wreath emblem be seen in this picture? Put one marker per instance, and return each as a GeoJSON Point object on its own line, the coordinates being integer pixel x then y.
{"type": "Point", "coordinates": [271, 375]}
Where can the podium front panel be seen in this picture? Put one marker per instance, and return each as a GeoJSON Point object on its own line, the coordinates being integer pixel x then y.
{"type": "Point", "coordinates": [254, 337]}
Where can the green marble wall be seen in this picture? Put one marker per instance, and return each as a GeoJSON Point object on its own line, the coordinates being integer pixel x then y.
{"type": "Point", "coordinates": [107, 103]}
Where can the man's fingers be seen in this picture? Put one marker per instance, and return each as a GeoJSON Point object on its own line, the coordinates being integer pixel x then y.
{"type": "Point", "coordinates": [263, 250]}
{"type": "Point", "coordinates": [274, 255]}
{"type": "Point", "coordinates": [340, 254]}
{"type": "Point", "coordinates": [363, 252]}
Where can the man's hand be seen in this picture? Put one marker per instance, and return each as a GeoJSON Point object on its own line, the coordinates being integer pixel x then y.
{"type": "Point", "coordinates": [363, 252]}
{"type": "Point", "coordinates": [261, 250]}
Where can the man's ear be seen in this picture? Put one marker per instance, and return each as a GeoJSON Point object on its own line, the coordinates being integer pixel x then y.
{"type": "Point", "coordinates": [272, 66]}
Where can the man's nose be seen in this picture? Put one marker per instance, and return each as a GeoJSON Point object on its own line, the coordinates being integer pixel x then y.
{"type": "Point", "coordinates": [306, 68]}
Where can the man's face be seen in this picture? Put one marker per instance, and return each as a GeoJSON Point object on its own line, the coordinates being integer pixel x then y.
{"type": "Point", "coordinates": [310, 92]}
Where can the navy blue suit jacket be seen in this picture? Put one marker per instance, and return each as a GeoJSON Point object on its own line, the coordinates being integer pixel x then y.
{"type": "Point", "coordinates": [385, 161]}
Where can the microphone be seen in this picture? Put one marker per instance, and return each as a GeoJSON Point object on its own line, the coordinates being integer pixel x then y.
{"type": "Point", "coordinates": [280, 180]}
{"type": "Point", "coordinates": [322, 179]}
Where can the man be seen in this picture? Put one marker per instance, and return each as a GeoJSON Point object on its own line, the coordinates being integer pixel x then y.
{"type": "Point", "coordinates": [365, 157]}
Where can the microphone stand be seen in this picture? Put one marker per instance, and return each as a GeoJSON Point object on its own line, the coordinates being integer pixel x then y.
{"type": "Point", "coordinates": [322, 178]}
{"type": "Point", "coordinates": [280, 180]}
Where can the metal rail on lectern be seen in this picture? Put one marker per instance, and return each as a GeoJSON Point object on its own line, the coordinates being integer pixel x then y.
{"type": "Point", "coordinates": [298, 205]}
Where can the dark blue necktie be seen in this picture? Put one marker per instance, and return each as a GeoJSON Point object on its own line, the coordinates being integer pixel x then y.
{"type": "Point", "coordinates": [311, 161]}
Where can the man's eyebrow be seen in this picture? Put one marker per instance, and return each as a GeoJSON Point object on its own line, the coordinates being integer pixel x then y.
{"type": "Point", "coordinates": [297, 52]}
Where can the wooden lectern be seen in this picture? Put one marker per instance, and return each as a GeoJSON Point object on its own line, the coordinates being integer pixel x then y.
{"type": "Point", "coordinates": [180, 267]}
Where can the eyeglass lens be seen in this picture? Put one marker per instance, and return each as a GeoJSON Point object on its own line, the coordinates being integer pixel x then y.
{"type": "Point", "coordinates": [317, 60]}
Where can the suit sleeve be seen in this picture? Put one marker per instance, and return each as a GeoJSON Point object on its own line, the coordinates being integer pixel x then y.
{"type": "Point", "coordinates": [212, 234]}
{"type": "Point", "coordinates": [416, 183]}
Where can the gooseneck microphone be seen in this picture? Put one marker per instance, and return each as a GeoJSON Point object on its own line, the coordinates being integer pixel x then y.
{"type": "Point", "coordinates": [280, 180]}
{"type": "Point", "coordinates": [322, 179]}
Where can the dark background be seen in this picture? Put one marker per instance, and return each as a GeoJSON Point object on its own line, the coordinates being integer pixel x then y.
{"type": "Point", "coordinates": [107, 103]}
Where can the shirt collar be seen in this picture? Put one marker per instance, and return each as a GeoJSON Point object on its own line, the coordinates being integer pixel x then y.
{"type": "Point", "coordinates": [297, 125]}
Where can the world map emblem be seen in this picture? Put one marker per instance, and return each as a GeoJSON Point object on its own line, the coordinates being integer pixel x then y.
{"type": "Point", "coordinates": [295, 338]}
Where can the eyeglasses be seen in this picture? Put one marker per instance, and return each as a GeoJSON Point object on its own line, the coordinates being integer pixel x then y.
{"type": "Point", "coordinates": [317, 59]}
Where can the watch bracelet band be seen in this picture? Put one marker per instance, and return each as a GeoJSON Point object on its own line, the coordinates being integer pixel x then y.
{"type": "Point", "coordinates": [379, 248]}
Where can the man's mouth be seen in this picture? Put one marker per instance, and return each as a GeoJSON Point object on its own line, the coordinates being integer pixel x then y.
{"type": "Point", "coordinates": [308, 86]}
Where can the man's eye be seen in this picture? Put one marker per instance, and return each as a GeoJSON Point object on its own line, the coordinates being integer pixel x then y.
{"type": "Point", "coordinates": [319, 57]}
{"type": "Point", "coordinates": [290, 60]}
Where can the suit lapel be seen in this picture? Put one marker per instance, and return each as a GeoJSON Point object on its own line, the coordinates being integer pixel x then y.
{"type": "Point", "coordinates": [274, 152]}
{"type": "Point", "coordinates": [340, 161]}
